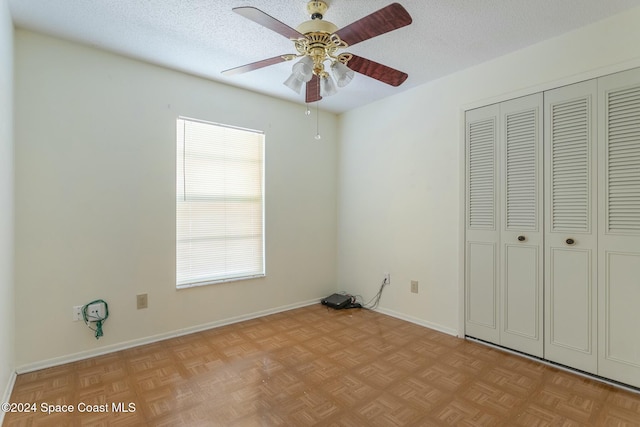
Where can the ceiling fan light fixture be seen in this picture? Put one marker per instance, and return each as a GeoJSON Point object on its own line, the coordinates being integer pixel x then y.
{"type": "Point", "coordinates": [342, 73]}
{"type": "Point", "coordinates": [294, 83]}
{"type": "Point", "coordinates": [327, 86]}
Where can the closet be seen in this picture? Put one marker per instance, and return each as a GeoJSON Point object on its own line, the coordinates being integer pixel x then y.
{"type": "Point", "coordinates": [552, 235]}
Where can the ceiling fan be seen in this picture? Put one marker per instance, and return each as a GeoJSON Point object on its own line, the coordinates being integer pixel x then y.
{"type": "Point", "coordinates": [318, 42]}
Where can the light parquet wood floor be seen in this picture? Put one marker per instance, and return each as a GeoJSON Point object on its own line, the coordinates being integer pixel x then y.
{"type": "Point", "coordinates": [313, 366]}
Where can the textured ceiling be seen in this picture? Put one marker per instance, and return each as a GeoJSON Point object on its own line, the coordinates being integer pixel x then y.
{"type": "Point", "coordinates": [204, 37]}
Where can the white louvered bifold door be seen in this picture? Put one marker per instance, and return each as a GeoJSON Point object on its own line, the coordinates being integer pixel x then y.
{"type": "Point", "coordinates": [482, 219]}
{"type": "Point", "coordinates": [619, 227]}
{"type": "Point", "coordinates": [570, 225]}
{"type": "Point", "coordinates": [521, 235]}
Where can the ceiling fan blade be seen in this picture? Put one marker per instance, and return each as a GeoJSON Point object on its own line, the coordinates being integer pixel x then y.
{"type": "Point", "coordinates": [268, 21]}
{"type": "Point", "coordinates": [370, 68]}
{"type": "Point", "coordinates": [386, 19]}
{"type": "Point", "coordinates": [313, 90]}
{"type": "Point", "coordinates": [254, 65]}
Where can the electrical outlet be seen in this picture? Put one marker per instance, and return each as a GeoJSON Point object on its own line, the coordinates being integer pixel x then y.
{"type": "Point", "coordinates": [96, 311]}
{"type": "Point", "coordinates": [141, 301]}
{"type": "Point", "coordinates": [77, 312]}
{"type": "Point", "coordinates": [414, 286]}
{"type": "Point", "coordinates": [387, 278]}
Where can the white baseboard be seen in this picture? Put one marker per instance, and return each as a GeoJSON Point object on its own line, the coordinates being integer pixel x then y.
{"type": "Point", "coordinates": [7, 393]}
{"type": "Point", "coordinates": [36, 366]}
{"type": "Point", "coordinates": [418, 321]}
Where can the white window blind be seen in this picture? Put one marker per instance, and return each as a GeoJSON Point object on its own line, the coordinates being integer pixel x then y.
{"type": "Point", "coordinates": [219, 203]}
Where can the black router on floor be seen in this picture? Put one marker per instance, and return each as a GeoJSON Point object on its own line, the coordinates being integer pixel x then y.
{"type": "Point", "coordinates": [340, 301]}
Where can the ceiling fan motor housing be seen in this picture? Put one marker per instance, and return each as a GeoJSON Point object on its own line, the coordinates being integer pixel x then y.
{"type": "Point", "coordinates": [317, 10]}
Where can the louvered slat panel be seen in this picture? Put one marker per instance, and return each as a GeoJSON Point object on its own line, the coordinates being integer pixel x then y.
{"type": "Point", "coordinates": [521, 170]}
{"type": "Point", "coordinates": [623, 160]}
{"type": "Point", "coordinates": [482, 186]}
{"type": "Point", "coordinates": [570, 166]}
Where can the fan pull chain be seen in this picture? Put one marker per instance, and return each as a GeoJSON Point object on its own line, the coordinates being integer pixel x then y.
{"type": "Point", "coordinates": [318, 137]}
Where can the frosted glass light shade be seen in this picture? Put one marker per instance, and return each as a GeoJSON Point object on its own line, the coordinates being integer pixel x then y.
{"type": "Point", "coordinates": [342, 73]}
{"type": "Point", "coordinates": [327, 86]}
{"type": "Point", "coordinates": [294, 83]}
{"type": "Point", "coordinates": [303, 69]}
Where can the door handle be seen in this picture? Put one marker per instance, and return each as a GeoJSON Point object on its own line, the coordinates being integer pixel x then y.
{"type": "Point", "coordinates": [521, 238]}
{"type": "Point", "coordinates": [570, 241]}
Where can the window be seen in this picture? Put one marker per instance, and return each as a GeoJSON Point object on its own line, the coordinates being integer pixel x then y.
{"type": "Point", "coordinates": [219, 203]}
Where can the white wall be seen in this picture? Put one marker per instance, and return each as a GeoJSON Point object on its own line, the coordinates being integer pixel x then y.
{"type": "Point", "coordinates": [6, 202]}
{"type": "Point", "coordinates": [400, 171]}
{"type": "Point", "coordinates": [95, 199]}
